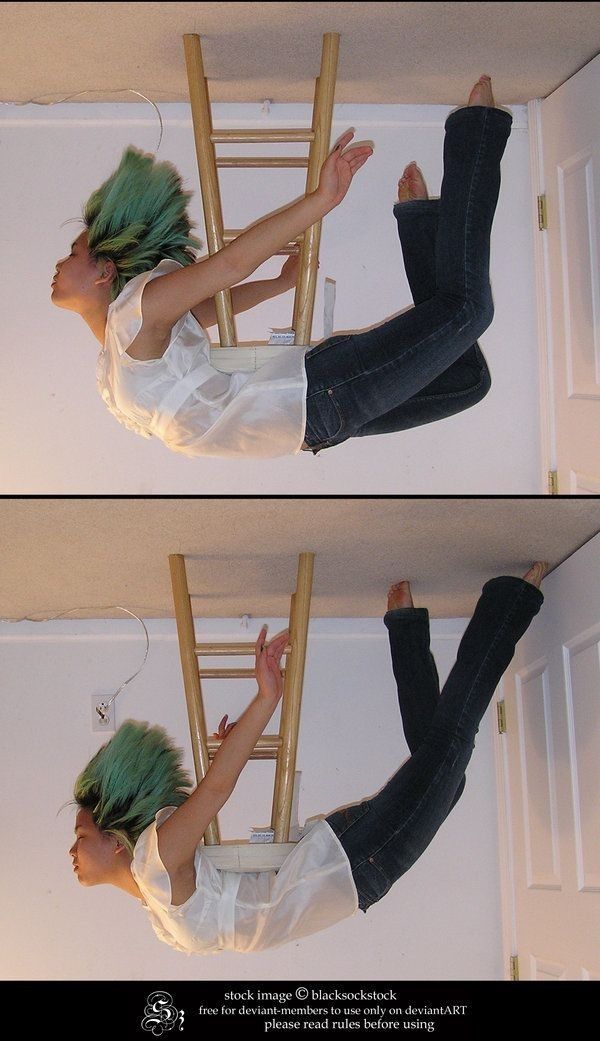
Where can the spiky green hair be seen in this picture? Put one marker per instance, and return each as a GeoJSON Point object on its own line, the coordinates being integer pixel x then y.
{"type": "Point", "coordinates": [138, 217]}
{"type": "Point", "coordinates": [130, 779]}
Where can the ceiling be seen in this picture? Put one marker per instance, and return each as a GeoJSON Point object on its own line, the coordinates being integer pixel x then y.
{"type": "Point", "coordinates": [400, 53]}
{"type": "Point", "coordinates": [242, 553]}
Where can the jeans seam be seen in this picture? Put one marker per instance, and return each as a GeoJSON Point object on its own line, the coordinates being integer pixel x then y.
{"type": "Point", "coordinates": [469, 206]}
{"type": "Point", "coordinates": [451, 393]}
{"type": "Point", "coordinates": [500, 631]}
{"type": "Point", "coordinates": [407, 354]}
{"type": "Point", "coordinates": [404, 823]}
{"type": "Point", "coordinates": [350, 824]}
{"type": "Point", "coordinates": [408, 351]}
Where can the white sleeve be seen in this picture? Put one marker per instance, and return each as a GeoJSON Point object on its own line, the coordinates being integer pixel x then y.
{"type": "Point", "coordinates": [147, 868]}
{"type": "Point", "coordinates": [125, 316]}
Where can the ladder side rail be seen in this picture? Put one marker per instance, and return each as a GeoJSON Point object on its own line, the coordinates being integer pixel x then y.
{"type": "Point", "coordinates": [191, 679]}
{"type": "Point", "coordinates": [291, 701]}
{"type": "Point", "coordinates": [304, 300]}
{"type": "Point", "coordinates": [209, 181]}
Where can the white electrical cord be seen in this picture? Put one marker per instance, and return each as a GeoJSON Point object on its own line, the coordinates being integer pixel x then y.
{"type": "Point", "coordinates": [111, 607]}
{"type": "Point", "coordinates": [129, 90]}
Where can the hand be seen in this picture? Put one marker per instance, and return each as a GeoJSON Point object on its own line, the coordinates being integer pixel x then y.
{"type": "Point", "coordinates": [288, 278]}
{"type": "Point", "coordinates": [339, 169]}
{"type": "Point", "coordinates": [268, 659]}
{"type": "Point", "coordinates": [224, 728]}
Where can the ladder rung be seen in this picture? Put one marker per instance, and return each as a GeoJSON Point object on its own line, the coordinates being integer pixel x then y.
{"type": "Point", "coordinates": [260, 161]}
{"type": "Point", "coordinates": [224, 648]}
{"type": "Point", "coordinates": [234, 233]}
{"type": "Point", "coordinates": [229, 648]}
{"type": "Point", "coordinates": [231, 674]}
{"type": "Point", "coordinates": [254, 136]}
{"type": "Point", "coordinates": [267, 746]}
{"type": "Point", "coordinates": [249, 856]}
{"type": "Point", "coordinates": [227, 674]}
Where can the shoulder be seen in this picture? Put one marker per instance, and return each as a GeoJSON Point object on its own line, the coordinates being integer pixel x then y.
{"type": "Point", "coordinates": [166, 888]}
{"type": "Point", "coordinates": [125, 317]}
{"type": "Point", "coordinates": [136, 284]}
{"type": "Point", "coordinates": [146, 846]}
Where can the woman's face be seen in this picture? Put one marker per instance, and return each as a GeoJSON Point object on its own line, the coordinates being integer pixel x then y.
{"type": "Point", "coordinates": [79, 280]}
{"type": "Point", "coordinates": [93, 852]}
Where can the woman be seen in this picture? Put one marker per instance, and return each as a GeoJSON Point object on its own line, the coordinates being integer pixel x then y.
{"type": "Point", "coordinates": [137, 829]}
{"type": "Point", "coordinates": [132, 277]}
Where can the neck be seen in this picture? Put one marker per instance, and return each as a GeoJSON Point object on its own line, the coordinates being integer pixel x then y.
{"type": "Point", "coordinates": [95, 316]}
{"type": "Point", "coordinates": [123, 879]}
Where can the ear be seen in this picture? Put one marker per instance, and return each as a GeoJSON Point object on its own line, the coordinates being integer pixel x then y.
{"type": "Point", "coordinates": [107, 271]}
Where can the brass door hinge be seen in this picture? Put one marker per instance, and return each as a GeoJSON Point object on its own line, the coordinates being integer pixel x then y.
{"type": "Point", "coordinates": [514, 966]}
{"type": "Point", "coordinates": [542, 213]}
{"type": "Point", "coordinates": [501, 717]}
{"type": "Point", "coordinates": [552, 482]}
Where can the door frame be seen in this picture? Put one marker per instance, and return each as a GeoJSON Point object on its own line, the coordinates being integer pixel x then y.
{"type": "Point", "coordinates": [505, 843]}
{"type": "Point", "coordinates": [547, 416]}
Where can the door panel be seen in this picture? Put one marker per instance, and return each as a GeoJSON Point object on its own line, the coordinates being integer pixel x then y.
{"type": "Point", "coordinates": [551, 779]}
{"type": "Point", "coordinates": [570, 132]}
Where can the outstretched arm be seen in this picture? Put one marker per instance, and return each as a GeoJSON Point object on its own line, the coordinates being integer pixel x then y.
{"type": "Point", "coordinates": [247, 296]}
{"type": "Point", "coordinates": [166, 299]}
{"type": "Point", "coordinates": [180, 834]}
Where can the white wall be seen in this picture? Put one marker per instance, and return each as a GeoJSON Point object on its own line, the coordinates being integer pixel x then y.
{"type": "Point", "coordinates": [441, 921]}
{"type": "Point", "coordinates": [55, 432]}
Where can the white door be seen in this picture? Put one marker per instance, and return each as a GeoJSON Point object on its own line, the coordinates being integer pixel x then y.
{"type": "Point", "coordinates": [549, 766]}
{"type": "Point", "coordinates": [568, 126]}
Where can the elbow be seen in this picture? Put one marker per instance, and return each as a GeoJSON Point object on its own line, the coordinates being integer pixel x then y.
{"type": "Point", "coordinates": [236, 270]}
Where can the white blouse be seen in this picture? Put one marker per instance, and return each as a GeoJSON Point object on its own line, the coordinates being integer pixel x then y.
{"type": "Point", "coordinates": [248, 911]}
{"type": "Point", "coordinates": [187, 403]}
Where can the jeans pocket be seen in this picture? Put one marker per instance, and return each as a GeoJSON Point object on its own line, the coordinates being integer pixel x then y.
{"type": "Point", "coordinates": [331, 341]}
{"type": "Point", "coordinates": [343, 819]}
{"type": "Point", "coordinates": [324, 417]}
{"type": "Point", "coordinates": [340, 418]}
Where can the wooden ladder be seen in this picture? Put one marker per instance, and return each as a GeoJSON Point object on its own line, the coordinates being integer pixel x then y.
{"type": "Point", "coordinates": [318, 138]}
{"type": "Point", "coordinates": [281, 747]}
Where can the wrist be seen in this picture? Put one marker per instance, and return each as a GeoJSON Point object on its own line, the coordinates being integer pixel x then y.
{"type": "Point", "coordinates": [268, 699]}
{"type": "Point", "coordinates": [323, 201]}
{"type": "Point", "coordinates": [281, 285]}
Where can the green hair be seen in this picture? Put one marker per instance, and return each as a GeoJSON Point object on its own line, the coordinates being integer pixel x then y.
{"type": "Point", "coordinates": [138, 217]}
{"type": "Point", "coordinates": [130, 779]}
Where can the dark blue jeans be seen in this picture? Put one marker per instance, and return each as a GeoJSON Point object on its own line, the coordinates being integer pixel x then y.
{"type": "Point", "coordinates": [383, 836]}
{"type": "Point", "coordinates": [424, 364]}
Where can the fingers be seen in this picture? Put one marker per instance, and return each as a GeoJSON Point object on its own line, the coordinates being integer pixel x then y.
{"type": "Point", "coordinates": [277, 645]}
{"type": "Point", "coordinates": [260, 643]}
{"type": "Point", "coordinates": [283, 636]}
{"type": "Point", "coordinates": [279, 636]}
{"type": "Point", "coordinates": [273, 650]}
{"type": "Point", "coordinates": [356, 157]}
{"type": "Point", "coordinates": [222, 728]}
{"type": "Point", "coordinates": [344, 140]}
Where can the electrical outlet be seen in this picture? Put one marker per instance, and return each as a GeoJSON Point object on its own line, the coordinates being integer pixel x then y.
{"type": "Point", "coordinates": [103, 718]}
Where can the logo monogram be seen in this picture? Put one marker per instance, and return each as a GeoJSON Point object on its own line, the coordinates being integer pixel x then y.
{"type": "Point", "coordinates": [160, 1014]}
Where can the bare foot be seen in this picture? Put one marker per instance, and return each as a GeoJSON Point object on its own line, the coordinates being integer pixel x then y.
{"type": "Point", "coordinates": [399, 595]}
{"type": "Point", "coordinates": [536, 573]}
{"type": "Point", "coordinates": [412, 185]}
{"type": "Point", "coordinates": [482, 93]}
